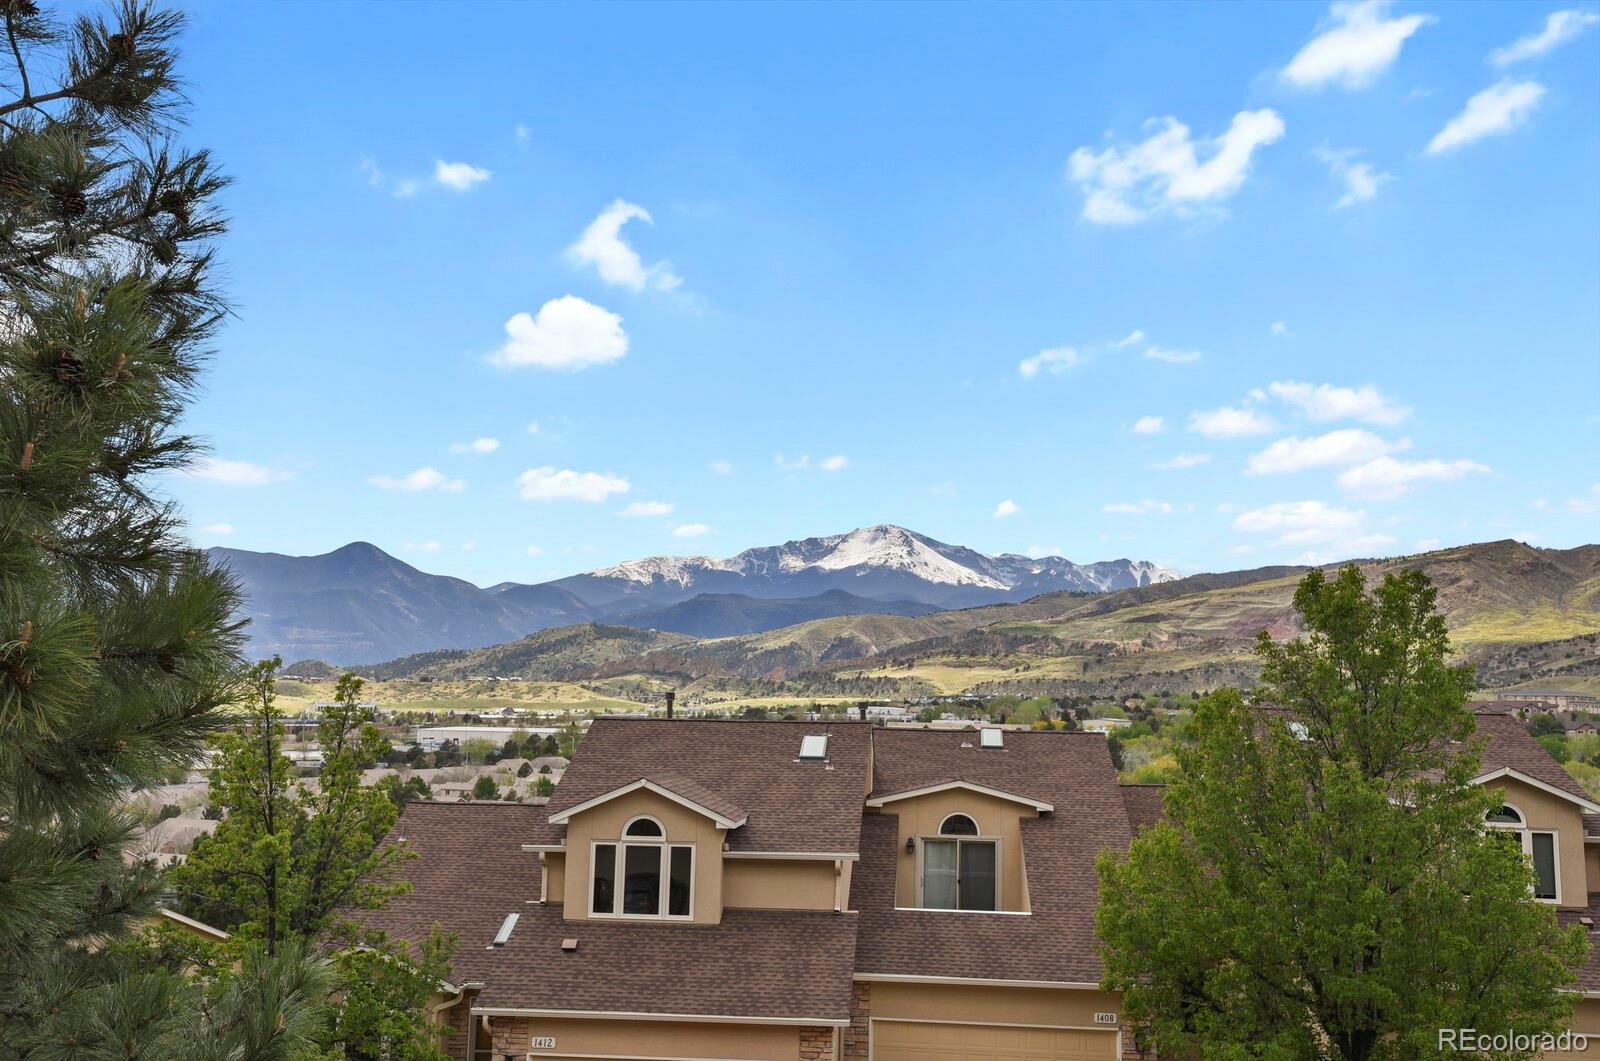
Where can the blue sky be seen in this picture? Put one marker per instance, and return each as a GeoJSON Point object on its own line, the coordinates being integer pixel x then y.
{"type": "Point", "coordinates": [523, 290]}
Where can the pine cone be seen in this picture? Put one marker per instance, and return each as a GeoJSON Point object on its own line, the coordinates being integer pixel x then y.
{"type": "Point", "coordinates": [121, 45]}
{"type": "Point", "coordinates": [167, 662]}
{"type": "Point", "coordinates": [165, 250]}
{"type": "Point", "coordinates": [174, 203]}
{"type": "Point", "coordinates": [72, 201]}
{"type": "Point", "coordinates": [70, 368]}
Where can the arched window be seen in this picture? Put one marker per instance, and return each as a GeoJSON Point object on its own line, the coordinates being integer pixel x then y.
{"type": "Point", "coordinates": [958, 825]}
{"type": "Point", "coordinates": [642, 875]}
{"type": "Point", "coordinates": [1505, 816]}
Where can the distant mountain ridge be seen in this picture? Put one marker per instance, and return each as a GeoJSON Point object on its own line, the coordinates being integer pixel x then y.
{"type": "Point", "coordinates": [359, 605]}
{"type": "Point", "coordinates": [884, 561]}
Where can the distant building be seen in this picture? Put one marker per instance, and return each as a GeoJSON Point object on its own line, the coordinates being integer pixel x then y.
{"type": "Point", "coordinates": [1557, 699]}
{"type": "Point", "coordinates": [430, 737]}
{"type": "Point", "coordinates": [1105, 725]}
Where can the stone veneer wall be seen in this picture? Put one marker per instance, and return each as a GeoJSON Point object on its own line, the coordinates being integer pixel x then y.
{"type": "Point", "coordinates": [858, 1037]}
{"type": "Point", "coordinates": [816, 1044]}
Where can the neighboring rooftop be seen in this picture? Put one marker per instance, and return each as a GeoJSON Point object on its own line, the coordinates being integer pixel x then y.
{"type": "Point", "coordinates": [792, 804]}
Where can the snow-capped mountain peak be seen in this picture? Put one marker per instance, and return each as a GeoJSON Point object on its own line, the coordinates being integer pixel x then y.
{"type": "Point", "coordinates": [883, 561]}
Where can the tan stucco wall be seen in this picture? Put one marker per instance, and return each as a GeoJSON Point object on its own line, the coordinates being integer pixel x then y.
{"type": "Point", "coordinates": [1586, 1019]}
{"type": "Point", "coordinates": [920, 817]}
{"type": "Point", "coordinates": [778, 884]}
{"type": "Point", "coordinates": [1544, 811]}
{"type": "Point", "coordinates": [555, 870]}
{"type": "Point", "coordinates": [1046, 1006]}
{"type": "Point", "coordinates": [652, 1039]}
{"type": "Point", "coordinates": [682, 825]}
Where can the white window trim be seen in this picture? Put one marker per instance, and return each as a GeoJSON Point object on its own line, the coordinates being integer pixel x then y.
{"type": "Point", "coordinates": [959, 814]}
{"type": "Point", "coordinates": [922, 846]}
{"type": "Point", "coordinates": [1525, 833]}
{"type": "Point", "coordinates": [666, 847]}
{"type": "Point", "coordinates": [652, 819]}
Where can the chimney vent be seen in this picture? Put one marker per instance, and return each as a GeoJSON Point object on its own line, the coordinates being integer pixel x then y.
{"type": "Point", "coordinates": [671, 696]}
{"type": "Point", "coordinates": [570, 944]}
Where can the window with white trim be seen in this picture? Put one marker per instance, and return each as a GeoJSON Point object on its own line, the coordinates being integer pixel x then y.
{"type": "Point", "coordinates": [1538, 845]}
{"type": "Point", "coordinates": [960, 868]}
{"type": "Point", "coordinates": [641, 875]}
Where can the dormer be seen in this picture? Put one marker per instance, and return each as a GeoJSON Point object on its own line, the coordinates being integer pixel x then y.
{"type": "Point", "coordinates": [649, 850]}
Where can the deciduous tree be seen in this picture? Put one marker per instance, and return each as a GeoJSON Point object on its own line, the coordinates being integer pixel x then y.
{"type": "Point", "coordinates": [1324, 886]}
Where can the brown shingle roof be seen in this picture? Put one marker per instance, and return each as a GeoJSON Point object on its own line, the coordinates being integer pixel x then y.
{"type": "Point", "coordinates": [470, 874]}
{"type": "Point", "coordinates": [1144, 804]}
{"type": "Point", "coordinates": [1507, 745]}
{"type": "Point", "coordinates": [1055, 942]}
{"type": "Point", "coordinates": [908, 759]}
{"type": "Point", "coordinates": [755, 963]}
{"type": "Point", "coordinates": [792, 805]}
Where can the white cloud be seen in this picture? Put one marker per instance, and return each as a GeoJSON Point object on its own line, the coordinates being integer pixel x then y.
{"type": "Point", "coordinates": [1145, 507]}
{"type": "Point", "coordinates": [535, 550]}
{"type": "Point", "coordinates": [549, 484]}
{"type": "Point", "coordinates": [477, 445]}
{"type": "Point", "coordinates": [722, 467]}
{"type": "Point", "coordinates": [1006, 508]}
{"type": "Point", "coordinates": [639, 509]}
{"type": "Point", "coordinates": [1181, 461]}
{"type": "Point", "coordinates": [1123, 186]}
{"type": "Point", "coordinates": [1228, 422]}
{"type": "Point", "coordinates": [1357, 44]}
{"type": "Point", "coordinates": [423, 547]}
{"type": "Point", "coordinates": [1425, 545]}
{"type": "Point", "coordinates": [1280, 327]}
{"type": "Point", "coordinates": [234, 473]}
{"type": "Point", "coordinates": [603, 247]}
{"type": "Point", "coordinates": [1039, 552]}
{"type": "Point", "coordinates": [1149, 425]}
{"type": "Point", "coordinates": [803, 463]}
{"type": "Point", "coordinates": [218, 529]}
{"type": "Point", "coordinates": [1585, 505]}
{"type": "Point", "coordinates": [422, 479]}
{"type": "Point", "coordinates": [1498, 109]}
{"type": "Point", "coordinates": [1172, 357]}
{"type": "Point", "coordinates": [1336, 449]}
{"type": "Point", "coordinates": [469, 547]}
{"type": "Point", "coordinates": [690, 530]}
{"type": "Point", "coordinates": [458, 176]}
{"type": "Point", "coordinates": [1134, 338]}
{"type": "Point", "coordinates": [568, 333]}
{"type": "Point", "coordinates": [1559, 28]}
{"type": "Point", "coordinates": [1385, 477]}
{"type": "Point", "coordinates": [1054, 361]}
{"type": "Point", "coordinates": [1323, 402]}
{"type": "Point", "coordinates": [1361, 181]}
{"type": "Point", "coordinates": [533, 427]}
{"type": "Point", "coordinates": [522, 134]}
{"type": "Point", "coordinates": [1331, 533]}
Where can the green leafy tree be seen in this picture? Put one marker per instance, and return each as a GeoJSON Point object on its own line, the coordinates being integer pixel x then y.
{"type": "Point", "coordinates": [1324, 886]}
{"type": "Point", "coordinates": [287, 859]}
{"type": "Point", "coordinates": [544, 786]}
{"type": "Point", "coordinates": [117, 639]}
{"type": "Point", "coordinates": [485, 788]}
{"type": "Point", "coordinates": [384, 994]}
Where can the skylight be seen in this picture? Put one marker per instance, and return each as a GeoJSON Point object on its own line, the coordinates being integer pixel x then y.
{"type": "Point", "coordinates": [814, 746]}
{"type": "Point", "coordinates": [505, 931]}
{"type": "Point", "coordinates": [991, 738]}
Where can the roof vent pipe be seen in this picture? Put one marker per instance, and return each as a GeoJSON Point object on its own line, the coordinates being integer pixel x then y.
{"type": "Point", "coordinates": [671, 696]}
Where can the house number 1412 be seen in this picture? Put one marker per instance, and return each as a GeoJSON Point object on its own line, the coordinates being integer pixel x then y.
{"type": "Point", "coordinates": [542, 1042]}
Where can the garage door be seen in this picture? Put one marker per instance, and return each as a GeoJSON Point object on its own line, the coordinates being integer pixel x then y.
{"type": "Point", "coordinates": [894, 1040]}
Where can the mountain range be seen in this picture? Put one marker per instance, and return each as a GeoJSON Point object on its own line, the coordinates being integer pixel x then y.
{"type": "Point", "coordinates": [358, 605]}
{"type": "Point", "coordinates": [1520, 615]}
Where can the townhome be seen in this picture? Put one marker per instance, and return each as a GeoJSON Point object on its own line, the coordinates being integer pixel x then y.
{"type": "Point", "coordinates": [819, 891]}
